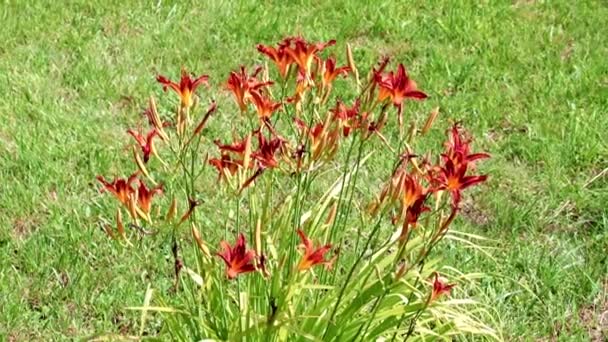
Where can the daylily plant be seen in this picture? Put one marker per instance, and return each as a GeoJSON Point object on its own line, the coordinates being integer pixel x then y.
{"type": "Point", "coordinates": [300, 157]}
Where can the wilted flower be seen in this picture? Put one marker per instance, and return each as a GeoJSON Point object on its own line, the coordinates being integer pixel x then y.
{"type": "Point", "coordinates": [154, 120]}
{"type": "Point", "coordinates": [241, 85]}
{"type": "Point", "coordinates": [279, 55]}
{"type": "Point", "coordinates": [146, 143]}
{"type": "Point", "coordinates": [440, 288]}
{"type": "Point", "coordinates": [398, 87]}
{"type": "Point", "coordinates": [238, 259]}
{"type": "Point", "coordinates": [185, 88]}
{"type": "Point", "coordinates": [120, 187]}
{"type": "Point", "coordinates": [313, 256]}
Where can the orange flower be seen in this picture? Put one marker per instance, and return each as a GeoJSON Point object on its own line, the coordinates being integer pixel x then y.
{"type": "Point", "coordinates": [264, 105]}
{"type": "Point", "coordinates": [237, 147]}
{"type": "Point", "coordinates": [145, 143]}
{"type": "Point", "coordinates": [313, 256]}
{"type": "Point", "coordinates": [413, 199]}
{"type": "Point", "coordinates": [453, 178]}
{"type": "Point", "coordinates": [279, 55]}
{"type": "Point", "coordinates": [322, 138]}
{"type": "Point", "coordinates": [330, 72]}
{"type": "Point", "coordinates": [398, 87]}
{"type": "Point", "coordinates": [241, 85]}
{"type": "Point", "coordinates": [145, 195]}
{"type": "Point", "coordinates": [458, 149]}
{"type": "Point", "coordinates": [238, 259]}
{"type": "Point", "coordinates": [225, 165]}
{"type": "Point", "coordinates": [440, 288]}
{"type": "Point", "coordinates": [185, 88]}
{"type": "Point", "coordinates": [303, 52]}
{"type": "Point", "coordinates": [121, 188]}
{"type": "Point", "coordinates": [265, 154]}
{"type": "Point", "coordinates": [303, 84]}
{"type": "Point", "coordinates": [347, 117]}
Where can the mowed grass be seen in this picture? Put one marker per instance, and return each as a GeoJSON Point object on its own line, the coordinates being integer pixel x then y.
{"type": "Point", "coordinates": [528, 78]}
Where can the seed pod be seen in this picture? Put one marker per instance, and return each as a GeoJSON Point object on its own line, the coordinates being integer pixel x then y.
{"type": "Point", "coordinates": [119, 225]}
{"type": "Point", "coordinates": [429, 121]}
{"type": "Point", "coordinates": [172, 210]}
{"type": "Point", "coordinates": [199, 242]}
{"type": "Point", "coordinates": [351, 64]}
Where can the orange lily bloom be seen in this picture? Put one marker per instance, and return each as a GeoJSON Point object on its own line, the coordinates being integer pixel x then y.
{"type": "Point", "coordinates": [440, 288]}
{"type": "Point", "coordinates": [453, 178]}
{"type": "Point", "coordinates": [121, 188]}
{"type": "Point", "coordinates": [330, 72]}
{"type": "Point", "coordinates": [145, 143]}
{"type": "Point", "coordinates": [322, 138]}
{"type": "Point", "coordinates": [279, 55]}
{"type": "Point", "coordinates": [241, 85]}
{"type": "Point", "coordinates": [347, 117]}
{"type": "Point", "coordinates": [238, 259]}
{"type": "Point", "coordinates": [145, 195]}
{"type": "Point", "coordinates": [264, 105]}
{"type": "Point", "coordinates": [265, 154]}
{"type": "Point", "coordinates": [313, 256]}
{"type": "Point", "coordinates": [237, 147]}
{"type": "Point", "coordinates": [303, 84]}
{"type": "Point", "coordinates": [413, 199]}
{"type": "Point", "coordinates": [185, 88]}
{"type": "Point", "coordinates": [458, 149]}
{"type": "Point", "coordinates": [225, 164]}
{"type": "Point", "coordinates": [303, 53]}
{"type": "Point", "coordinates": [398, 87]}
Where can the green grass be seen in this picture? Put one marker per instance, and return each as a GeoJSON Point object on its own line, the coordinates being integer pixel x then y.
{"type": "Point", "coordinates": [529, 79]}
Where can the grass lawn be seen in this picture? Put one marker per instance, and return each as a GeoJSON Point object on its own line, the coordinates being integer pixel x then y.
{"type": "Point", "coordinates": [528, 78]}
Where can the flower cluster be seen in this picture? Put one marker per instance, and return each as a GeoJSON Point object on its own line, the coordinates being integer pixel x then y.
{"type": "Point", "coordinates": [269, 169]}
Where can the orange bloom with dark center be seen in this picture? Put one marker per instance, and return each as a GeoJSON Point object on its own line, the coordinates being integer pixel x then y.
{"type": "Point", "coordinates": [264, 105]}
{"type": "Point", "coordinates": [238, 259]}
{"type": "Point", "coordinates": [330, 72]}
{"type": "Point", "coordinates": [397, 87]}
{"type": "Point", "coordinates": [279, 55]}
{"type": "Point", "coordinates": [303, 53]}
{"type": "Point", "coordinates": [121, 188]}
{"type": "Point", "coordinates": [413, 199]}
{"type": "Point", "coordinates": [241, 85]}
{"type": "Point", "coordinates": [313, 256]}
{"type": "Point", "coordinates": [440, 288]}
{"type": "Point", "coordinates": [454, 178]}
{"type": "Point", "coordinates": [145, 142]}
{"type": "Point", "coordinates": [267, 149]}
{"type": "Point", "coordinates": [145, 195]}
{"type": "Point", "coordinates": [185, 88]}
